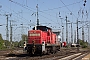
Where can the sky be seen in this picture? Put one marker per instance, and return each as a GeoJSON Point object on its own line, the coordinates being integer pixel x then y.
{"type": "Point", "coordinates": [51, 13]}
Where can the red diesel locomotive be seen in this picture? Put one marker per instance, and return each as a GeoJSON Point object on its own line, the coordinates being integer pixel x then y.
{"type": "Point", "coordinates": [42, 40]}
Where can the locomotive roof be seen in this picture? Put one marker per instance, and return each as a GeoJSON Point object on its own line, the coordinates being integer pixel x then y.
{"type": "Point", "coordinates": [44, 28]}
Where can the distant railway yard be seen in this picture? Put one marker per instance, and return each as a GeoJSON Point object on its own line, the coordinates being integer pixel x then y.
{"type": "Point", "coordinates": [63, 54]}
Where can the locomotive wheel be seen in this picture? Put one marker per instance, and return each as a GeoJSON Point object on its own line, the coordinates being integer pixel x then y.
{"type": "Point", "coordinates": [53, 50]}
{"type": "Point", "coordinates": [41, 54]}
{"type": "Point", "coordinates": [48, 51]}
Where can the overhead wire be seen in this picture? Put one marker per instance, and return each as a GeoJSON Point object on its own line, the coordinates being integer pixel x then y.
{"type": "Point", "coordinates": [64, 6]}
{"type": "Point", "coordinates": [68, 8]}
{"type": "Point", "coordinates": [20, 17]}
{"type": "Point", "coordinates": [26, 7]}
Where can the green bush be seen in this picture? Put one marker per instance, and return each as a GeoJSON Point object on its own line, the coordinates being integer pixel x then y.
{"type": "Point", "coordinates": [83, 44]}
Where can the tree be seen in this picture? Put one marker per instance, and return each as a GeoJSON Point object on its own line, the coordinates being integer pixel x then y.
{"type": "Point", "coordinates": [1, 37]}
{"type": "Point", "coordinates": [83, 44]}
{"type": "Point", "coordinates": [24, 37]}
{"type": "Point", "coordinates": [1, 42]}
{"type": "Point", "coordinates": [15, 44]}
{"type": "Point", "coordinates": [7, 43]}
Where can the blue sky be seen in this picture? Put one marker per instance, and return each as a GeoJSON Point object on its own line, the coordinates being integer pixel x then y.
{"type": "Point", "coordinates": [25, 10]}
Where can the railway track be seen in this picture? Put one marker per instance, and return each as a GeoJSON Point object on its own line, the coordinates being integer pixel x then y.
{"type": "Point", "coordinates": [19, 55]}
{"type": "Point", "coordinates": [76, 56]}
